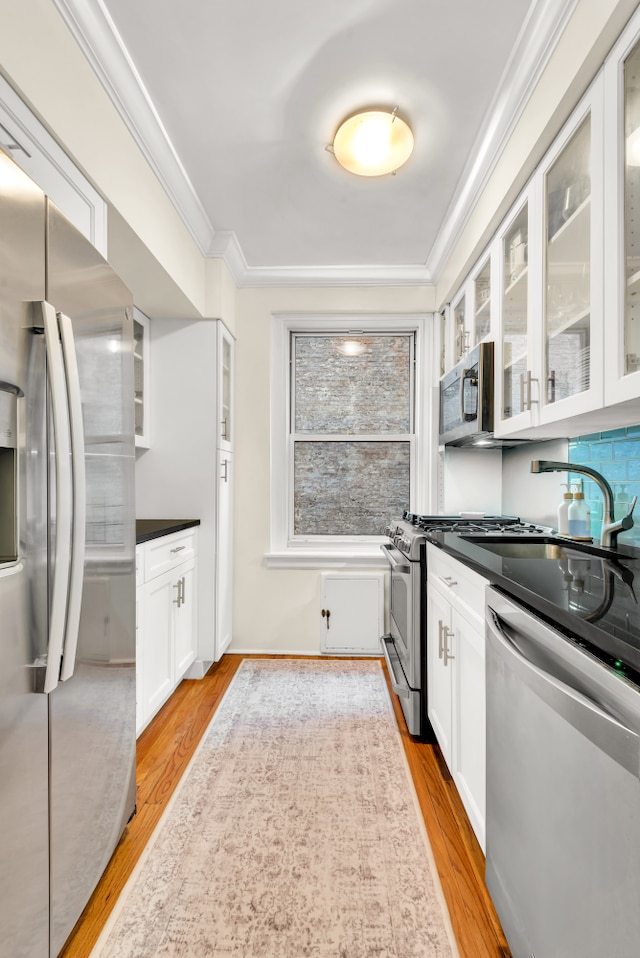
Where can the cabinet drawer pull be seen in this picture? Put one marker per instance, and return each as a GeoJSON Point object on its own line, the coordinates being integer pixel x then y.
{"type": "Point", "coordinates": [440, 642]}
{"type": "Point", "coordinates": [178, 549]}
{"type": "Point", "coordinates": [448, 581]}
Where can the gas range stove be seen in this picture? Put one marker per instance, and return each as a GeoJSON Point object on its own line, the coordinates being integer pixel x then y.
{"type": "Point", "coordinates": [410, 532]}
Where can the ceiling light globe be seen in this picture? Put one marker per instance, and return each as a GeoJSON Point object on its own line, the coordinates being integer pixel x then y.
{"type": "Point", "coordinates": [373, 143]}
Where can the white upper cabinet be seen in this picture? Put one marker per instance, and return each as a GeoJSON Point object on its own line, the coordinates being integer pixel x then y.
{"type": "Point", "coordinates": [550, 251]}
{"type": "Point", "coordinates": [481, 293]}
{"type": "Point", "coordinates": [516, 343]}
{"type": "Point", "coordinates": [226, 345]}
{"type": "Point", "coordinates": [32, 147]}
{"type": "Point", "coordinates": [571, 373]}
{"type": "Point", "coordinates": [622, 249]}
{"type": "Point", "coordinates": [472, 310]}
{"type": "Point", "coordinates": [461, 328]}
{"type": "Point", "coordinates": [141, 369]}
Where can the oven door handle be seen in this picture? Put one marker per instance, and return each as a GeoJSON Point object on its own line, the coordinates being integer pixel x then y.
{"type": "Point", "coordinates": [399, 685]}
{"type": "Point", "coordinates": [403, 567]}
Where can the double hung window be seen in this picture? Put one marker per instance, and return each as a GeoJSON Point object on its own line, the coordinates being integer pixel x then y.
{"type": "Point", "coordinates": [350, 436]}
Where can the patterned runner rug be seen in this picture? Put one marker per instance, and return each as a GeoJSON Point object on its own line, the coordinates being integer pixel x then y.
{"type": "Point", "coordinates": [294, 832]}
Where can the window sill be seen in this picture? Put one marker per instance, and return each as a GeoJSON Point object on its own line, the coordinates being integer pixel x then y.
{"type": "Point", "coordinates": [299, 558]}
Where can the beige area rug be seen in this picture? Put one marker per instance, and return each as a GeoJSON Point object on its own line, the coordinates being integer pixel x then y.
{"type": "Point", "coordinates": [294, 832]}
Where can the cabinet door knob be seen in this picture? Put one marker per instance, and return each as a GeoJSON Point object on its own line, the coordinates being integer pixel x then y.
{"type": "Point", "coordinates": [325, 614]}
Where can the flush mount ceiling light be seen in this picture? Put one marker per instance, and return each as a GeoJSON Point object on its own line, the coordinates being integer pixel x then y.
{"type": "Point", "coordinates": [373, 143]}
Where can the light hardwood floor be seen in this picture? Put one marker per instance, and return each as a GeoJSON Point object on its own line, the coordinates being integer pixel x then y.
{"type": "Point", "coordinates": [164, 750]}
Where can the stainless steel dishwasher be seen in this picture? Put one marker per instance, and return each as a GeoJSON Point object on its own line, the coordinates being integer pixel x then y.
{"type": "Point", "coordinates": [563, 792]}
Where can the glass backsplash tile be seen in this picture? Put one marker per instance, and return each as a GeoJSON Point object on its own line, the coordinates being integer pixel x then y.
{"type": "Point", "coordinates": [616, 455]}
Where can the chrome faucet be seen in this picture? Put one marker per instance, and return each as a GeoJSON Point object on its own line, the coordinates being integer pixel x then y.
{"type": "Point", "coordinates": [610, 526]}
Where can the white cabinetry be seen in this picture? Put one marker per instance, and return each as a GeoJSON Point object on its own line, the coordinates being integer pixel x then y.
{"type": "Point", "coordinates": [141, 368]}
{"type": "Point", "coordinates": [456, 676]}
{"type": "Point", "coordinates": [472, 312]}
{"type": "Point", "coordinates": [225, 354]}
{"type": "Point", "coordinates": [551, 253]}
{"type": "Point", "coordinates": [622, 198]}
{"type": "Point", "coordinates": [166, 603]}
{"type": "Point", "coordinates": [188, 469]}
{"type": "Point", "coordinates": [32, 147]}
{"type": "Point", "coordinates": [224, 552]}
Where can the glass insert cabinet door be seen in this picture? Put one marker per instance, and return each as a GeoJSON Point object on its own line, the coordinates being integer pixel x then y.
{"type": "Point", "coordinates": [516, 368]}
{"type": "Point", "coordinates": [631, 343]}
{"type": "Point", "coordinates": [482, 302]}
{"type": "Point", "coordinates": [461, 334]}
{"type": "Point", "coordinates": [567, 264]}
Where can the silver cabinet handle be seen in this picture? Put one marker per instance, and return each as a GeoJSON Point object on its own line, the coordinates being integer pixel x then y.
{"type": "Point", "coordinates": [180, 587]}
{"type": "Point", "coordinates": [223, 423]}
{"type": "Point", "coordinates": [440, 640]}
{"type": "Point", "coordinates": [448, 580]}
{"type": "Point", "coordinates": [447, 656]}
{"type": "Point", "coordinates": [224, 476]}
{"type": "Point", "coordinates": [178, 549]}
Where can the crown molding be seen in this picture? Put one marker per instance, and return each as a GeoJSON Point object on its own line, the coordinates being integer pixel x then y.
{"type": "Point", "coordinates": [538, 38]}
{"type": "Point", "coordinates": [225, 246]}
{"type": "Point", "coordinates": [98, 38]}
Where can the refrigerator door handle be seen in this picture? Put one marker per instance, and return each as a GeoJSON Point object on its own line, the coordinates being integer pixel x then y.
{"type": "Point", "coordinates": [62, 446]}
{"type": "Point", "coordinates": [78, 471]}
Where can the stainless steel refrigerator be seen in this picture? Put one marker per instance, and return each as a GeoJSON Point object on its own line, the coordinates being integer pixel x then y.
{"type": "Point", "coordinates": [67, 551]}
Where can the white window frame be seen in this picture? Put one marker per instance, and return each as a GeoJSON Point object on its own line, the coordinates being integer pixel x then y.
{"type": "Point", "coordinates": [287, 551]}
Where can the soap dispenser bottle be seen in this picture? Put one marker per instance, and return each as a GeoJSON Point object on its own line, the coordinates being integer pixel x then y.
{"type": "Point", "coordinates": [578, 516]}
{"type": "Point", "coordinates": [563, 510]}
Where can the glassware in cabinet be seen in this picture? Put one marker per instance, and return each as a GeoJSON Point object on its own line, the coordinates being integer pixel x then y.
{"type": "Point", "coordinates": [516, 366]}
{"type": "Point", "coordinates": [482, 302]}
{"type": "Point", "coordinates": [461, 333]}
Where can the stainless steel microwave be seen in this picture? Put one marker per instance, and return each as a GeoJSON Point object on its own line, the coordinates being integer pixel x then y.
{"type": "Point", "coordinates": [466, 399]}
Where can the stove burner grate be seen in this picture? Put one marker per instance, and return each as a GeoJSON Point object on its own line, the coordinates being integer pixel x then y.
{"type": "Point", "coordinates": [486, 524]}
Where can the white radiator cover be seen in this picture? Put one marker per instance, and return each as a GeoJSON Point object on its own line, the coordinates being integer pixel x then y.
{"type": "Point", "coordinates": [355, 602]}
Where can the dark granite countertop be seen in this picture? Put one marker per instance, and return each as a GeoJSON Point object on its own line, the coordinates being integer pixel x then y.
{"type": "Point", "coordinates": [153, 528]}
{"type": "Point", "coordinates": [593, 600]}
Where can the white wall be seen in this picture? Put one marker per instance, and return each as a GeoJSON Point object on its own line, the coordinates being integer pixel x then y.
{"type": "Point", "coordinates": [472, 481]}
{"type": "Point", "coordinates": [530, 496]}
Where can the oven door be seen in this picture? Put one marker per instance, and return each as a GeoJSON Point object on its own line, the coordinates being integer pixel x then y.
{"type": "Point", "coordinates": [401, 646]}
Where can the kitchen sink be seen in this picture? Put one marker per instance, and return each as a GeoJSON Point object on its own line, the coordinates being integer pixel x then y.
{"type": "Point", "coordinates": [537, 547]}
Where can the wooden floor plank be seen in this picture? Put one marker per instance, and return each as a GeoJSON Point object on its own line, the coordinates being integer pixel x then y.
{"type": "Point", "coordinates": [165, 749]}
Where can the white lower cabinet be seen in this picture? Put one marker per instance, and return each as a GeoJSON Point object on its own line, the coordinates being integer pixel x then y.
{"type": "Point", "coordinates": [166, 604]}
{"type": "Point", "coordinates": [456, 677]}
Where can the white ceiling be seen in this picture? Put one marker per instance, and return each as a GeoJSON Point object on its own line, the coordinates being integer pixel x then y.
{"type": "Point", "coordinates": [235, 101]}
